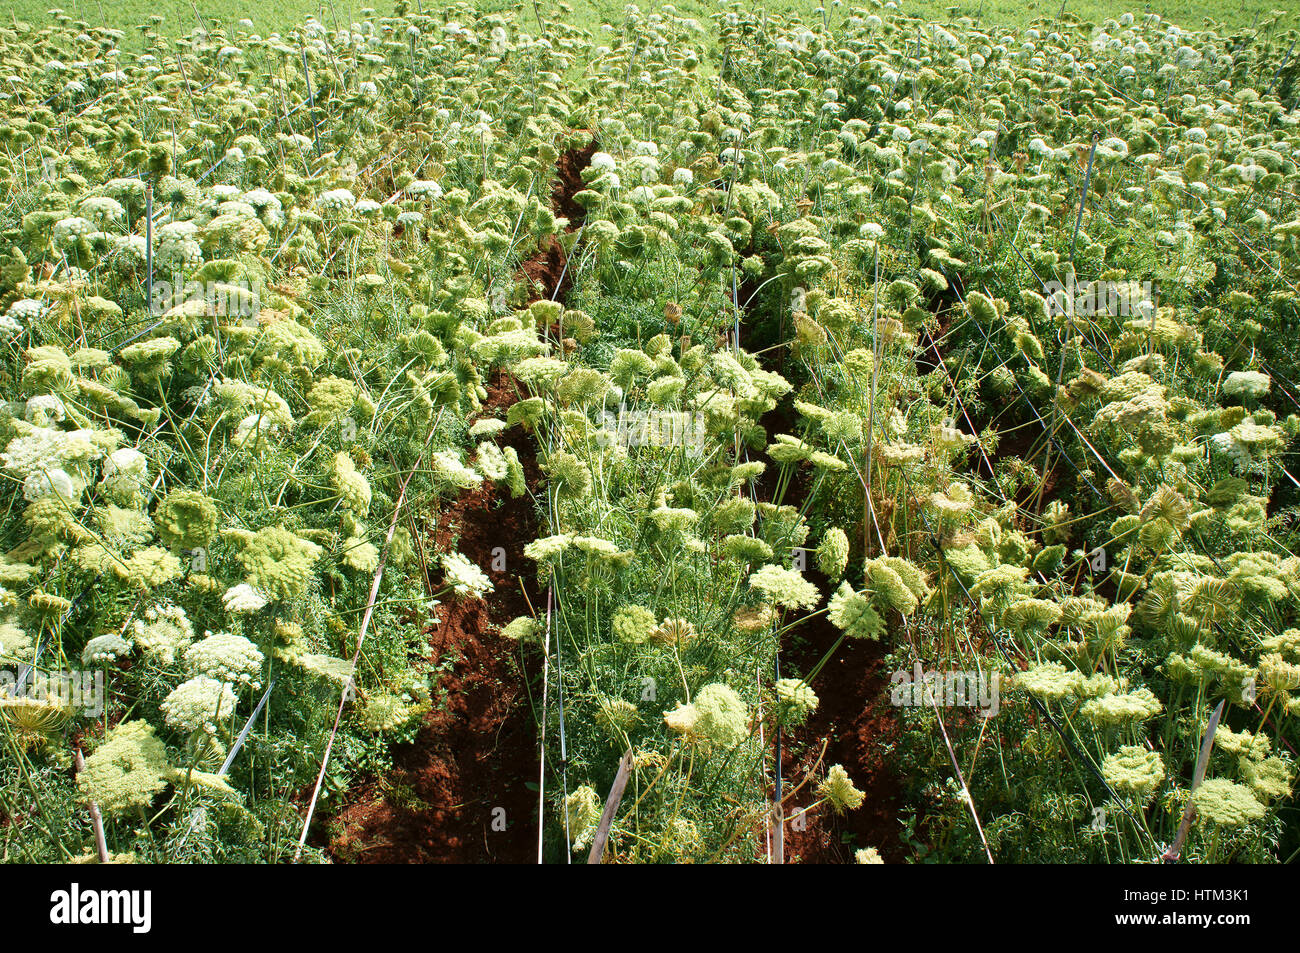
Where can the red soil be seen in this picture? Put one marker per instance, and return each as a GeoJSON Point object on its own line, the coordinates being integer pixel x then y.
{"type": "Point", "coordinates": [477, 750]}
{"type": "Point", "coordinates": [853, 715]}
{"type": "Point", "coordinates": [568, 182]}
{"type": "Point", "coordinates": [546, 273]}
{"type": "Point", "coordinates": [856, 719]}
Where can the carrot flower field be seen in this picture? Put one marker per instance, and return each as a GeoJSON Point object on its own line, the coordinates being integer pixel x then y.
{"type": "Point", "coordinates": [483, 434]}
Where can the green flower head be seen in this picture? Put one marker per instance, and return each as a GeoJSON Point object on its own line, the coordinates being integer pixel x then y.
{"type": "Point", "coordinates": [127, 771]}
{"type": "Point", "coordinates": [279, 563]}
{"type": "Point", "coordinates": [186, 519]}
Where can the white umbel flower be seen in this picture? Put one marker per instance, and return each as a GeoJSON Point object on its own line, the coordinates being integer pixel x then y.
{"type": "Point", "coordinates": [337, 199]}
{"type": "Point", "coordinates": [465, 577]}
{"type": "Point", "coordinates": [196, 705]}
{"type": "Point", "coordinates": [243, 599]}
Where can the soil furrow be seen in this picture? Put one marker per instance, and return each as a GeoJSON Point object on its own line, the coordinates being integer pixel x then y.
{"type": "Point", "coordinates": [459, 792]}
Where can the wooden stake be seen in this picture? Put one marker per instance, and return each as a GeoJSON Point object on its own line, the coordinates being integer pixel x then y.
{"type": "Point", "coordinates": [96, 819]}
{"type": "Point", "coordinates": [611, 808]}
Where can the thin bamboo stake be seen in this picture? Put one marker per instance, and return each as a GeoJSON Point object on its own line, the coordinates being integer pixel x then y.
{"type": "Point", "coordinates": [361, 638]}
{"type": "Point", "coordinates": [243, 735]}
{"type": "Point", "coordinates": [311, 101]}
{"type": "Point", "coordinates": [1207, 743]}
{"type": "Point", "coordinates": [541, 761]}
{"type": "Point", "coordinates": [148, 245]}
{"type": "Point", "coordinates": [778, 807]}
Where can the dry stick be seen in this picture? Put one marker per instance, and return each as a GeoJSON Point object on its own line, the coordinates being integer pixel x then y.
{"type": "Point", "coordinates": [762, 746]}
{"type": "Point", "coordinates": [564, 752]}
{"type": "Point", "coordinates": [965, 788]}
{"type": "Point", "coordinates": [1171, 855]}
{"type": "Point", "coordinates": [774, 836]}
{"type": "Point", "coordinates": [808, 776]}
{"type": "Point", "coordinates": [611, 807]}
{"type": "Point", "coordinates": [877, 351]}
{"type": "Point", "coordinates": [361, 638]}
{"type": "Point", "coordinates": [1041, 708]}
{"type": "Point", "coordinates": [778, 847]}
{"type": "Point", "coordinates": [1286, 59]}
{"type": "Point", "coordinates": [952, 755]}
{"type": "Point", "coordinates": [96, 819]}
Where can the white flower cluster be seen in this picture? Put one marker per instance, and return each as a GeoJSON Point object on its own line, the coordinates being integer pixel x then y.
{"type": "Point", "coordinates": [68, 231]}
{"type": "Point", "coordinates": [51, 461]}
{"type": "Point", "coordinates": [196, 705]}
{"type": "Point", "coordinates": [132, 249]}
{"type": "Point", "coordinates": [126, 474]}
{"type": "Point", "coordinates": [1250, 384]}
{"type": "Point", "coordinates": [163, 632]}
{"type": "Point", "coordinates": [1230, 447]}
{"type": "Point", "coordinates": [44, 410]}
{"type": "Point", "coordinates": [491, 461]}
{"type": "Point", "coordinates": [243, 599]}
{"type": "Point", "coordinates": [447, 465]}
{"type": "Point", "coordinates": [252, 427]}
{"type": "Point", "coordinates": [177, 246]}
{"type": "Point", "coordinates": [102, 210]}
{"type": "Point", "coordinates": [426, 188]}
{"type": "Point", "coordinates": [24, 310]}
{"type": "Point", "coordinates": [340, 200]}
{"type": "Point", "coordinates": [104, 648]}
{"type": "Point", "coordinates": [603, 162]}
{"type": "Point", "coordinates": [226, 658]}
{"type": "Point", "coordinates": [465, 577]}
{"type": "Point", "coordinates": [266, 205]}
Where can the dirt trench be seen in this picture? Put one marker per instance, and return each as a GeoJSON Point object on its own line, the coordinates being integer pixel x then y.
{"type": "Point", "coordinates": [546, 273]}
{"type": "Point", "coordinates": [861, 728]}
{"type": "Point", "coordinates": [853, 715]}
{"type": "Point", "coordinates": [458, 793]}
{"type": "Point", "coordinates": [463, 790]}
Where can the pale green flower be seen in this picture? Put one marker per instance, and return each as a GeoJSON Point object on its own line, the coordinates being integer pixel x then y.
{"type": "Point", "coordinates": [833, 553]}
{"type": "Point", "coordinates": [1134, 770]}
{"type": "Point", "coordinates": [852, 613]}
{"type": "Point", "coordinates": [465, 577]}
{"type": "Point", "coordinates": [127, 770]}
{"type": "Point", "coordinates": [795, 701]}
{"type": "Point", "coordinates": [1049, 681]}
{"type": "Point", "coordinates": [723, 718]}
{"type": "Point", "coordinates": [838, 790]}
{"type": "Point", "coordinates": [1226, 803]}
{"type": "Point", "coordinates": [197, 704]}
{"type": "Point", "coordinates": [279, 563]}
{"type": "Point", "coordinates": [583, 808]}
{"type": "Point", "coordinates": [785, 587]}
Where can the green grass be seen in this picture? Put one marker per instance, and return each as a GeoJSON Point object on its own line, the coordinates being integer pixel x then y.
{"type": "Point", "coordinates": [269, 15]}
